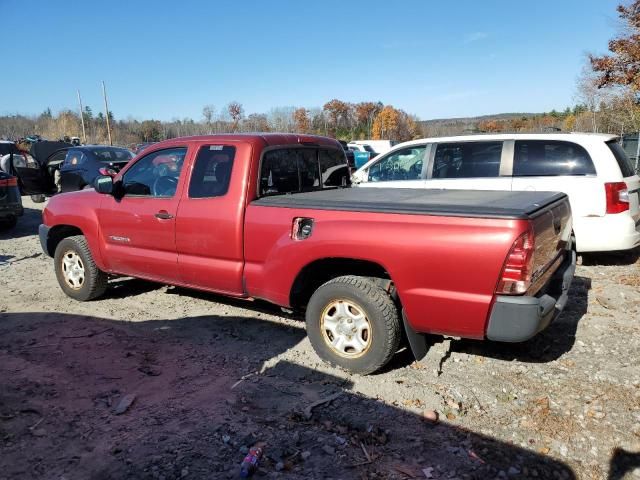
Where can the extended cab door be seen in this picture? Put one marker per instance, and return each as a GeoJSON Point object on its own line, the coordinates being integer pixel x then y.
{"type": "Point", "coordinates": [210, 219]}
{"type": "Point", "coordinates": [404, 168]}
{"type": "Point", "coordinates": [476, 165]}
{"type": "Point", "coordinates": [138, 228]}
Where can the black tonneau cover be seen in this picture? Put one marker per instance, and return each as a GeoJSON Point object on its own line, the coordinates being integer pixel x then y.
{"type": "Point", "coordinates": [460, 203]}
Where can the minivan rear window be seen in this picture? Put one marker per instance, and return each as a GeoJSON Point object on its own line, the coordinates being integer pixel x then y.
{"type": "Point", "coordinates": [544, 158]}
{"type": "Point", "coordinates": [621, 157]}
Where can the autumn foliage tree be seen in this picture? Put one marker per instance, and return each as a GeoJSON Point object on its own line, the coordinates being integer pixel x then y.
{"type": "Point", "coordinates": [236, 112]}
{"type": "Point", "coordinates": [393, 124]}
{"type": "Point", "coordinates": [301, 120]}
{"type": "Point", "coordinates": [622, 67]}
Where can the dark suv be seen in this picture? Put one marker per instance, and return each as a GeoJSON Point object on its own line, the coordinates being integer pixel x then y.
{"type": "Point", "coordinates": [83, 164]}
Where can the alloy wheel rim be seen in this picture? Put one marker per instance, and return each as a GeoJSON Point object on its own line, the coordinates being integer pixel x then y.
{"type": "Point", "coordinates": [346, 328]}
{"type": "Point", "coordinates": [73, 270]}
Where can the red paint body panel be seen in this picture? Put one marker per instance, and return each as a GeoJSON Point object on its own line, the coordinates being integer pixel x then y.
{"type": "Point", "coordinates": [444, 268]}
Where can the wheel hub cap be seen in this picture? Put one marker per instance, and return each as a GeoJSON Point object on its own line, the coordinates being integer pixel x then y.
{"type": "Point", "coordinates": [346, 328]}
{"type": "Point", "coordinates": [73, 270]}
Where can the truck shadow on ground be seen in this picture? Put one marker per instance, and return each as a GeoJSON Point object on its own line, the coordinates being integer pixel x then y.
{"type": "Point", "coordinates": [550, 344]}
{"type": "Point", "coordinates": [194, 393]}
{"type": "Point", "coordinates": [26, 227]}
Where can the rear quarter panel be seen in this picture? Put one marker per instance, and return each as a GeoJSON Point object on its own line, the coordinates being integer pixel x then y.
{"type": "Point", "coordinates": [445, 268]}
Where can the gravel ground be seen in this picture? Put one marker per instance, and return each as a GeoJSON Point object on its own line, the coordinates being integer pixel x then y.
{"type": "Point", "coordinates": [160, 382]}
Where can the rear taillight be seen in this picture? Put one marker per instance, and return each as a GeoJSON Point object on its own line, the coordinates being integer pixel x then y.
{"type": "Point", "coordinates": [9, 182]}
{"type": "Point", "coordinates": [516, 273]}
{"type": "Point", "coordinates": [617, 197]}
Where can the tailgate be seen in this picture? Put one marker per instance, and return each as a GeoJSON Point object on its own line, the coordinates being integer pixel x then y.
{"type": "Point", "coordinates": [552, 226]}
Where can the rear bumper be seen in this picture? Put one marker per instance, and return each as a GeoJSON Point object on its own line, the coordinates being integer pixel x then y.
{"type": "Point", "coordinates": [612, 232]}
{"type": "Point", "coordinates": [516, 319]}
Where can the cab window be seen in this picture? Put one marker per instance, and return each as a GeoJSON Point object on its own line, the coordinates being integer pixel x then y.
{"type": "Point", "coordinates": [212, 171]}
{"type": "Point", "coordinates": [155, 175]}
{"type": "Point", "coordinates": [404, 164]}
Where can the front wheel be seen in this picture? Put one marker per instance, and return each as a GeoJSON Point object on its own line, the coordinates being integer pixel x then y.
{"type": "Point", "coordinates": [77, 273]}
{"type": "Point", "coordinates": [354, 324]}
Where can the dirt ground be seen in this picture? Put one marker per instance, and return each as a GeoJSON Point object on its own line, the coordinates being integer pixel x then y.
{"type": "Point", "coordinates": [210, 377]}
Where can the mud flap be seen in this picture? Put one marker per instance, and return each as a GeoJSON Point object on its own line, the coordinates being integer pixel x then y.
{"type": "Point", "coordinates": [417, 341]}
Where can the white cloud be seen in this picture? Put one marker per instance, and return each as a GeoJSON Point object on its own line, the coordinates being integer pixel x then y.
{"type": "Point", "coordinates": [475, 37]}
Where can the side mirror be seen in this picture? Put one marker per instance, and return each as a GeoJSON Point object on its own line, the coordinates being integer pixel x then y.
{"type": "Point", "coordinates": [103, 184]}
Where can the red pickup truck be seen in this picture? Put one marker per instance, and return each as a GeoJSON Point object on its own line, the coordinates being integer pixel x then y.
{"type": "Point", "coordinates": [272, 217]}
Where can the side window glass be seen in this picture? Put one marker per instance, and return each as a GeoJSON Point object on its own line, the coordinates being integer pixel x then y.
{"type": "Point", "coordinates": [212, 171]}
{"type": "Point", "coordinates": [333, 169]}
{"type": "Point", "coordinates": [279, 172]}
{"type": "Point", "coordinates": [405, 164]}
{"type": "Point", "coordinates": [467, 160]}
{"type": "Point", "coordinates": [550, 158]}
{"type": "Point", "coordinates": [308, 168]}
{"type": "Point", "coordinates": [155, 175]}
{"type": "Point", "coordinates": [291, 170]}
{"type": "Point", "coordinates": [73, 159]}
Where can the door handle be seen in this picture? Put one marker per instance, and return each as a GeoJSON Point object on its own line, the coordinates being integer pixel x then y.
{"type": "Point", "coordinates": [164, 215]}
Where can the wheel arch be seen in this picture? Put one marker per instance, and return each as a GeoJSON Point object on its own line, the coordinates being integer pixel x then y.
{"type": "Point", "coordinates": [58, 233]}
{"type": "Point", "coordinates": [320, 271]}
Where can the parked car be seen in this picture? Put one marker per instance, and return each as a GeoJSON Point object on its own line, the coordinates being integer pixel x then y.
{"type": "Point", "coordinates": [82, 165]}
{"type": "Point", "coordinates": [38, 177]}
{"type": "Point", "coordinates": [266, 216]}
{"type": "Point", "coordinates": [10, 156]}
{"type": "Point", "coordinates": [60, 167]}
{"type": "Point", "coordinates": [349, 154]}
{"type": "Point", "coordinates": [591, 168]}
{"type": "Point", "coordinates": [10, 201]}
{"type": "Point", "coordinates": [378, 146]}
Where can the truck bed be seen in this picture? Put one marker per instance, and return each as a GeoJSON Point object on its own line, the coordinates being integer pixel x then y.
{"type": "Point", "coordinates": [460, 203]}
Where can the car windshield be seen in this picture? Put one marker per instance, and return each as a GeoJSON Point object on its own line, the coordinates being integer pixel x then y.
{"type": "Point", "coordinates": [112, 155]}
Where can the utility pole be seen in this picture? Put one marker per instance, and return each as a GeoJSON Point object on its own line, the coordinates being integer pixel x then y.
{"type": "Point", "coordinates": [84, 132]}
{"type": "Point", "coordinates": [106, 107]}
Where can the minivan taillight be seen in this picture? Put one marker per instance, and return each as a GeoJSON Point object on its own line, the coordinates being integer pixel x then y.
{"type": "Point", "coordinates": [515, 278]}
{"type": "Point", "coordinates": [617, 197]}
{"type": "Point", "coordinates": [9, 182]}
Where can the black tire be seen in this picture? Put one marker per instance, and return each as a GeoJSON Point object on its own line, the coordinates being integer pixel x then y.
{"type": "Point", "coordinates": [7, 223]}
{"type": "Point", "coordinates": [40, 198]}
{"type": "Point", "coordinates": [94, 281]}
{"type": "Point", "coordinates": [380, 311]}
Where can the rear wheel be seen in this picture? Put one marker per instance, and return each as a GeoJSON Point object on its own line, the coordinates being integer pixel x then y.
{"type": "Point", "coordinates": [40, 198]}
{"type": "Point", "coordinates": [77, 273]}
{"type": "Point", "coordinates": [353, 323]}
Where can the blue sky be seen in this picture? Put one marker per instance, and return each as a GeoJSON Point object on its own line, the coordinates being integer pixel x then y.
{"type": "Point", "coordinates": [167, 60]}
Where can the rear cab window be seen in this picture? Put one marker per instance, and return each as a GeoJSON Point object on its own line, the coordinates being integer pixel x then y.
{"type": "Point", "coordinates": [544, 158]}
{"type": "Point", "coordinates": [302, 169]}
{"type": "Point", "coordinates": [626, 169]}
{"type": "Point", "coordinates": [467, 160]}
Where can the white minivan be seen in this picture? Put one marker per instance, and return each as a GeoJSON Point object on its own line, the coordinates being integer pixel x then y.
{"type": "Point", "coordinates": [592, 169]}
